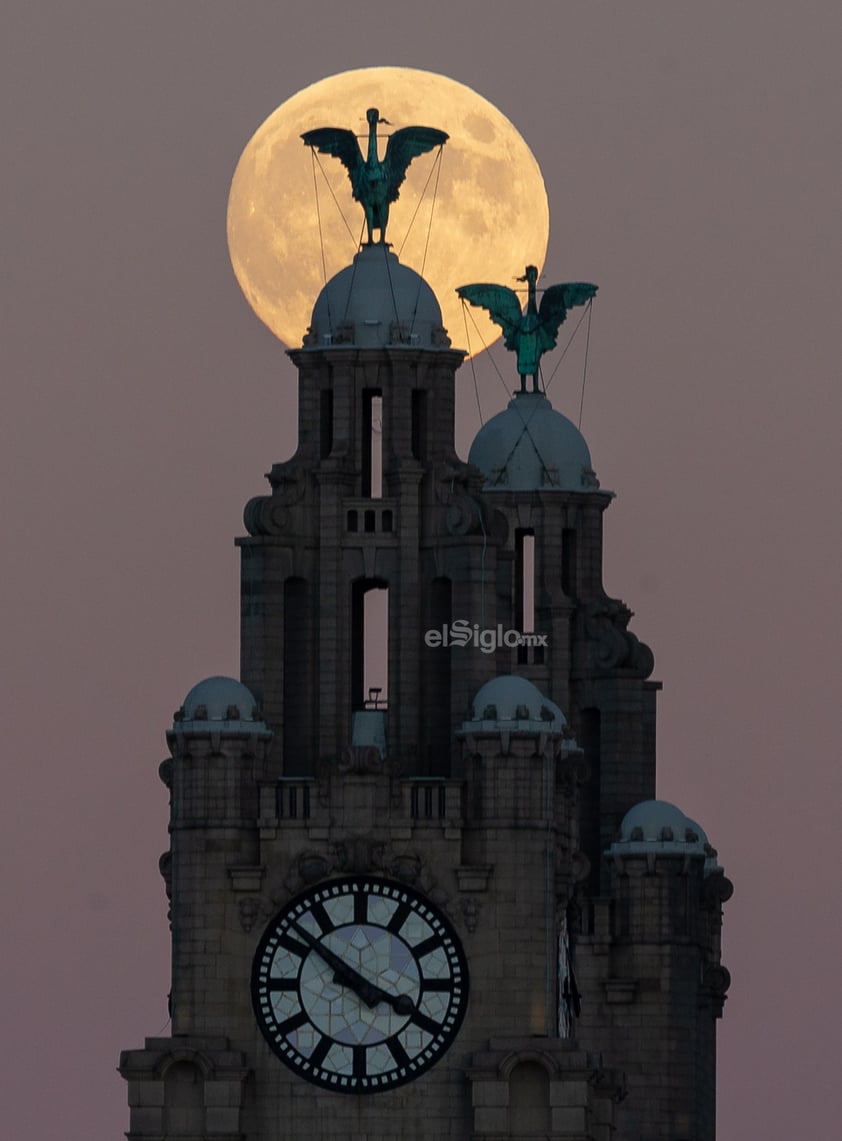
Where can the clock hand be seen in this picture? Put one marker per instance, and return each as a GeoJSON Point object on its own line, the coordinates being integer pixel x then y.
{"type": "Point", "coordinates": [343, 972]}
{"type": "Point", "coordinates": [369, 992]}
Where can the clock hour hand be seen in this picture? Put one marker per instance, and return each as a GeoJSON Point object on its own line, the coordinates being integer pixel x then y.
{"type": "Point", "coordinates": [344, 973]}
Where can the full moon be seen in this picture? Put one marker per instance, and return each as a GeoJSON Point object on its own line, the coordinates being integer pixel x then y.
{"type": "Point", "coordinates": [474, 212]}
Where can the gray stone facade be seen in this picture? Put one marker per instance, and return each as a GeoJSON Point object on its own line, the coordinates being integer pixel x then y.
{"type": "Point", "coordinates": [594, 958]}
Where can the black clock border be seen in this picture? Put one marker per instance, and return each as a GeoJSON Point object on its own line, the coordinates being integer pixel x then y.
{"type": "Point", "coordinates": [447, 1030]}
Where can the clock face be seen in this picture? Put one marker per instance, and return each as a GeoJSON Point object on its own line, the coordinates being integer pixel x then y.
{"type": "Point", "coordinates": [360, 984]}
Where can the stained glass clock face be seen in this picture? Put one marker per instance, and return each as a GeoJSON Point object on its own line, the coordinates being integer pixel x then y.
{"type": "Point", "coordinates": [360, 984]}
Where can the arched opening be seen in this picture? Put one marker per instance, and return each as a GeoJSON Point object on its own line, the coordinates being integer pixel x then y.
{"type": "Point", "coordinates": [372, 443]}
{"type": "Point", "coordinates": [435, 730]}
{"type": "Point", "coordinates": [525, 580]}
{"type": "Point", "coordinates": [298, 674]}
{"type": "Point", "coordinates": [529, 1100]}
{"type": "Point", "coordinates": [568, 562]}
{"type": "Point", "coordinates": [593, 844]}
{"type": "Point", "coordinates": [184, 1101]}
{"type": "Point", "coordinates": [326, 423]}
{"type": "Point", "coordinates": [419, 424]}
{"type": "Point", "coordinates": [369, 644]}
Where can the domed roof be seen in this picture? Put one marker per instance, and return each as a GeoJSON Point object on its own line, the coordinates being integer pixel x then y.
{"type": "Point", "coordinates": [531, 447]}
{"type": "Point", "coordinates": [376, 301]}
{"type": "Point", "coordinates": [218, 699]}
{"type": "Point", "coordinates": [512, 702]}
{"type": "Point", "coordinates": [658, 826]}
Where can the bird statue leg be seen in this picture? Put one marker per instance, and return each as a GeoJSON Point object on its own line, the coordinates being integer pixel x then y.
{"type": "Point", "coordinates": [522, 381]}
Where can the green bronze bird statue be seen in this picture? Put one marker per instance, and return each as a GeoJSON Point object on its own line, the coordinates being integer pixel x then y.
{"type": "Point", "coordinates": [535, 332]}
{"type": "Point", "coordinates": [375, 183]}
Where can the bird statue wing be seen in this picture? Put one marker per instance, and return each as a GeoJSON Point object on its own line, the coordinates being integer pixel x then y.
{"type": "Point", "coordinates": [554, 305]}
{"type": "Point", "coordinates": [342, 144]}
{"type": "Point", "coordinates": [405, 145]}
{"type": "Point", "coordinates": [502, 305]}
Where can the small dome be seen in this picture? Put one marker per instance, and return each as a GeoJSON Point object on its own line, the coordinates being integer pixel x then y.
{"type": "Point", "coordinates": [513, 702]}
{"type": "Point", "coordinates": [531, 447]}
{"type": "Point", "coordinates": [661, 827]}
{"type": "Point", "coordinates": [218, 699]}
{"type": "Point", "coordinates": [376, 301]}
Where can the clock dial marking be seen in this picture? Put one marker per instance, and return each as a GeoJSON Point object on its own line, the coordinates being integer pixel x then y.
{"type": "Point", "coordinates": [293, 945]}
{"type": "Point", "coordinates": [293, 1023]}
{"type": "Point", "coordinates": [436, 985]}
{"type": "Point", "coordinates": [321, 1051]}
{"type": "Point", "coordinates": [419, 950]}
{"type": "Point", "coordinates": [275, 984]}
{"type": "Point", "coordinates": [397, 1051]}
{"type": "Point", "coordinates": [397, 921]}
{"type": "Point", "coordinates": [321, 916]}
{"type": "Point", "coordinates": [360, 908]}
{"type": "Point", "coordinates": [425, 1023]}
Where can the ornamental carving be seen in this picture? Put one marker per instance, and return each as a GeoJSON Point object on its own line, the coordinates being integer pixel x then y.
{"type": "Point", "coordinates": [251, 909]}
{"type": "Point", "coordinates": [463, 515]}
{"type": "Point", "coordinates": [361, 855]}
{"type": "Point", "coordinates": [362, 760]}
{"type": "Point", "coordinates": [611, 644]}
{"type": "Point", "coordinates": [264, 515]}
{"type": "Point", "coordinates": [165, 868]}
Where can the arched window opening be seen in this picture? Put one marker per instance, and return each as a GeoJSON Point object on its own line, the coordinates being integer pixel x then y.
{"type": "Point", "coordinates": [184, 1101]}
{"type": "Point", "coordinates": [435, 732]}
{"type": "Point", "coordinates": [372, 443]}
{"type": "Point", "coordinates": [568, 562]}
{"type": "Point", "coordinates": [370, 644]}
{"type": "Point", "coordinates": [298, 672]}
{"type": "Point", "coordinates": [326, 423]}
{"type": "Point", "coordinates": [419, 424]}
{"type": "Point", "coordinates": [525, 586]}
{"type": "Point", "coordinates": [590, 838]}
{"type": "Point", "coordinates": [529, 1100]}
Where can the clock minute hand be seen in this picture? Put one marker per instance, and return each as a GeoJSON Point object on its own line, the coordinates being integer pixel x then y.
{"type": "Point", "coordinates": [369, 992]}
{"type": "Point", "coordinates": [343, 972]}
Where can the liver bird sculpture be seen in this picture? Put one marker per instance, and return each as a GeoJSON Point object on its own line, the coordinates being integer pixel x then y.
{"type": "Point", "coordinates": [375, 183]}
{"type": "Point", "coordinates": [532, 333]}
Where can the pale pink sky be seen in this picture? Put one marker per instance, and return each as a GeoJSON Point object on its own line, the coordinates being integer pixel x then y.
{"type": "Point", "coordinates": [692, 160]}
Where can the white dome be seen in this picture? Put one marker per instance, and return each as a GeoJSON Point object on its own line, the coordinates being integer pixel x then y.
{"type": "Point", "coordinates": [376, 301]}
{"type": "Point", "coordinates": [219, 699]}
{"type": "Point", "coordinates": [531, 447]}
{"type": "Point", "coordinates": [661, 827]}
{"type": "Point", "coordinates": [513, 702]}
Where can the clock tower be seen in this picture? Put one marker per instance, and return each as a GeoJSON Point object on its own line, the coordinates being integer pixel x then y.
{"type": "Point", "coordinates": [420, 884]}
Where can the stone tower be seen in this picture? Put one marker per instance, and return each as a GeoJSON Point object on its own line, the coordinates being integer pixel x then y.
{"type": "Point", "coordinates": [453, 911]}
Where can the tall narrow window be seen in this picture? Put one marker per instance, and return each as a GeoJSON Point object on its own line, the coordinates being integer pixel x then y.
{"type": "Point", "coordinates": [372, 443]}
{"type": "Point", "coordinates": [369, 644]}
{"type": "Point", "coordinates": [419, 423]}
{"type": "Point", "coordinates": [568, 562]}
{"type": "Point", "coordinates": [326, 423]}
{"type": "Point", "coordinates": [435, 733]}
{"type": "Point", "coordinates": [525, 580]}
{"type": "Point", "coordinates": [298, 674]}
{"type": "Point", "coordinates": [529, 1100]}
{"type": "Point", "coordinates": [591, 839]}
{"type": "Point", "coordinates": [184, 1101]}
